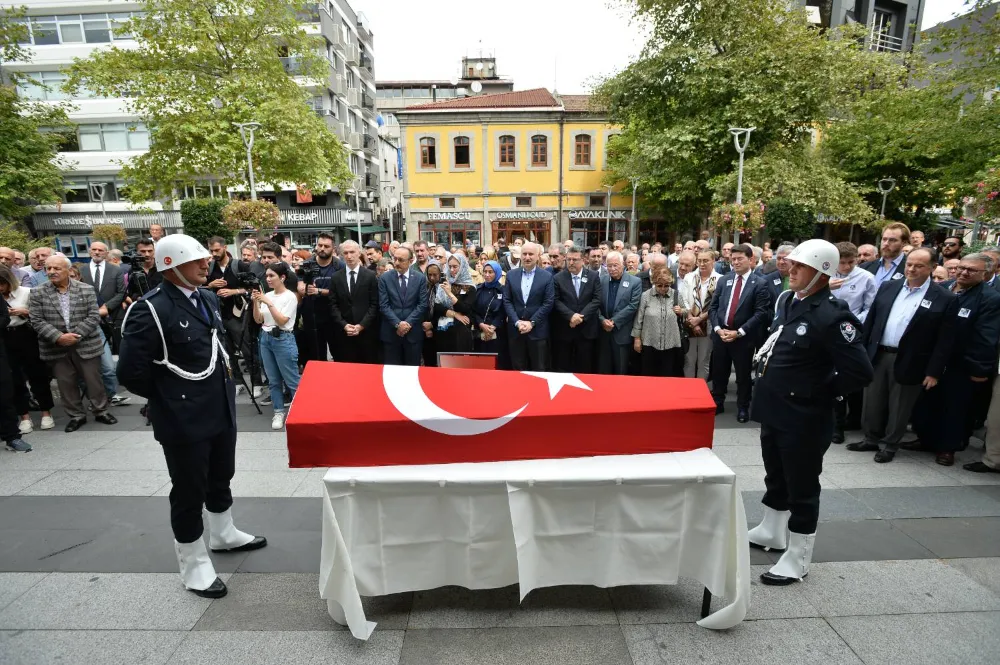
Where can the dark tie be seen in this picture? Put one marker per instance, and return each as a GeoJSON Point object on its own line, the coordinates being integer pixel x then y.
{"type": "Point", "coordinates": [354, 281]}
{"type": "Point", "coordinates": [402, 287]}
{"type": "Point", "coordinates": [737, 290]}
{"type": "Point", "coordinates": [97, 284]}
{"type": "Point", "coordinates": [199, 305]}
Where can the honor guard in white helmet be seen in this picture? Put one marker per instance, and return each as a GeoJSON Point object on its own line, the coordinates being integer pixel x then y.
{"type": "Point", "coordinates": [812, 357]}
{"type": "Point", "coordinates": [172, 353]}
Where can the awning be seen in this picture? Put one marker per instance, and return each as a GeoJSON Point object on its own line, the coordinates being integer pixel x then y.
{"type": "Point", "coordinates": [373, 229]}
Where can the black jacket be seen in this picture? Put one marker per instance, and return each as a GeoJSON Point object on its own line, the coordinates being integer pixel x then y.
{"type": "Point", "coordinates": [360, 307]}
{"type": "Point", "coordinates": [926, 344]}
{"type": "Point", "coordinates": [216, 271]}
{"type": "Point", "coordinates": [754, 307]}
{"type": "Point", "coordinates": [567, 304]}
{"type": "Point", "coordinates": [977, 332]}
{"type": "Point", "coordinates": [180, 410]}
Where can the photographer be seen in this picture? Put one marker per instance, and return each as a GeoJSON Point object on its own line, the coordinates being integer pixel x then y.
{"type": "Point", "coordinates": [316, 305]}
{"type": "Point", "coordinates": [142, 276]}
{"type": "Point", "coordinates": [224, 280]}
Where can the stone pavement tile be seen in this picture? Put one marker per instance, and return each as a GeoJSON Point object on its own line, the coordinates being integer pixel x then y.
{"type": "Point", "coordinates": [118, 459]}
{"type": "Point", "coordinates": [46, 456]}
{"type": "Point", "coordinates": [682, 603]}
{"type": "Point", "coordinates": [13, 585]}
{"type": "Point", "coordinates": [834, 504]}
{"type": "Point", "coordinates": [954, 538]}
{"type": "Point", "coordinates": [261, 483]}
{"type": "Point", "coordinates": [751, 477]}
{"type": "Point", "coordinates": [897, 502]}
{"type": "Point", "coordinates": [295, 647]}
{"type": "Point", "coordinates": [12, 482]}
{"type": "Point", "coordinates": [93, 647]}
{"type": "Point", "coordinates": [856, 588]}
{"type": "Point", "coordinates": [261, 460]}
{"type": "Point", "coordinates": [923, 639]}
{"type": "Point", "coordinates": [97, 601]}
{"type": "Point", "coordinates": [290, 601]}
{"type": "Point", "coordinates": [259, 515]}
{"type": "Point", "coordinates": [28, 550]}
{"type": "Point", "coordinates": [98, 483]}
{"type": "Point", "coordinates": [456, 607]}
{"type": "Point", "coordinates": [579, 645]}
{"type": "Point", "coordinates": [868, 540]}
{"type": "Point", "coordinates": [967, 477]}
{"type": "Point", "coordinates": [897, 474]}
{"type": "Point", "coordinates": [56, 437]}
{"type": "Point", "coordinates": [751, 643]}
{"type": "Point", "coordinates": [988, 490]}
{"type": "Point", "coordinates": [748, 437]}
{"type": "Point", "coordinates": [81, 512]}
{"type": "Point", "coordinates": [985, 570]}
{"type": "Point", "coordinates": [286, 552]}
{"type": "Point", "coordinates": [312, 486]}
{"type": "Point", "coordinates": [738, 455]}
{"type": "Point", "coordinates": [261, 441]}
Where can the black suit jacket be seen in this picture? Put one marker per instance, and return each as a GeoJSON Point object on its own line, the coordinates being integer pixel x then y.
{"type": "Point", "coordinates": [567, 304]}
{"type": "Point", "coordinates": [977, 332]}
{"type": "Point", "coordinates": [753, 311]}
{"type": "Point", "coordinates": [112, 291]}
{"type": "Point", "coordinates": [926, 344]}
{"type": "Point", "coordinates": [359, 307]}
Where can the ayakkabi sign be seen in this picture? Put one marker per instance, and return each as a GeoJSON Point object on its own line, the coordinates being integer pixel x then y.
{"type": "Point", "coordinates": [598, 214]}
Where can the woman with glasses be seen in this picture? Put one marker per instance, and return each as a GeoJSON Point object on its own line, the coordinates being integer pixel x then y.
{"type": "Point", "coordinates": [454, 322]}
{"type": "Point", "coordinates": [656, 331]}
{"type": "Point", "coordinates": [275, 312]}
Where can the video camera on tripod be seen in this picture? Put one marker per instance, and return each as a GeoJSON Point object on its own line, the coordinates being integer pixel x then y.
{"type": "Point", "coordinates": [249, 281]}
{"type": "Point", "coordinates": [308, 272]}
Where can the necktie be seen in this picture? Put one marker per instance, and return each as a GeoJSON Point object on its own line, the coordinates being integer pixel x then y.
{"type": "Point", "coordinates": [576, 285]}
{"type": "Point", "coordinates": [737, 290]}
{"type": "Point", "coordinates": [354, 281]}
{"type": "Point", "coordinates": [402, 287]}
{"type": "Point", "coordinates": [97, 277]}
{"type": "Point", "coordinates": [198, 304]}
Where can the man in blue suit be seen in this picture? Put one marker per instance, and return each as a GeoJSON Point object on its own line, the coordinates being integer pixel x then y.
{"type": "Point", "coordinates": [620, 296]}
{"type": "Point", "coordinates": [740, 309]}
{"type": "Point", "coordinates": [528, 298]}
{"type": "Point", "coordinates": [402, 300]}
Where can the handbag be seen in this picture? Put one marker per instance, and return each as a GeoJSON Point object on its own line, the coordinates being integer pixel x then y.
{"type": "Point", "coordinates": [685, 339]}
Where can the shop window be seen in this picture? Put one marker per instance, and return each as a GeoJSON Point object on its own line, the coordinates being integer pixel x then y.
{"type": "Point", "coordinates": [539, 150]}
{"type": "Point", "coordinates": [597, 200]}
{"type": "Point", "coordinates": [451, 233]}
{"type": "Point", "coordinates": [532, 231]}
{"type": "Point", "coordinates": [507, 143]}
{"type": "Point", "coordinates": [522, 201]}
{"type": "Point", "coordinates": [462, 152]}
{"type": "Point", "coordinates": [446, 202]}
{"type": "Point", "coordinates": [582, 150]}
{"type": "Point", "coordinates": [428, 153]}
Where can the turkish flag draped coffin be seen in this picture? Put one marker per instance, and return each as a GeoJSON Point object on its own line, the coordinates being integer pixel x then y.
{"type": "Point", "coordinates": [374, 415]}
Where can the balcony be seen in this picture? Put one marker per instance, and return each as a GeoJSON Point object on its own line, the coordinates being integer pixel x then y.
{"type": "Point", "coordinates": [367, 102]}
{"type": "Point", "coordinates": [309, 13]}
{"type": "Point", "coordinates": [370, 144]}
{"type": "Point", "coordinates": [367, 65]}
{"type": "Point", "coordinates": [335, 82]}
{"type": "Point", "coordinates": [351, 54]}
{"type": "Point", "coordinates": [292, 66]}
{"type": "Point", "coordinates": [371, 180]}
{"type": "Point", "coordinates": [337, 127]}
{"type": "Point", "coordinates": [330, 29]}
{"type": "Point", "coordinates": [879, 37]}
{"type": "Point", "coordinates": [356, 141]}
{"type": "Point", "coordinates": [354, 97]}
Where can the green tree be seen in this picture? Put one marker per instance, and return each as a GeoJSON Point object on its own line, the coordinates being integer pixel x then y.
{"type": "Point", "coordinates": [15, 236]}
{"type": "Point", "coordinates": [30, 170]}
{"type": "Point", "coordinates": [200, 67]}
{"type": "Point", "coordinates": [202, 219]}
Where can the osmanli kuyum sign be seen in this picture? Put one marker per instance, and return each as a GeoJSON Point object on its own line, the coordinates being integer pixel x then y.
{"type": "Point", "coordinates": [522, 214]}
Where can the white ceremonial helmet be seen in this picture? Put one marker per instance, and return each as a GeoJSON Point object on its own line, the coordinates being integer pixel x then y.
{"type": "Point", "coordinates": [178, 249]}
{"type": "Point", "coordinates": [821, 255]}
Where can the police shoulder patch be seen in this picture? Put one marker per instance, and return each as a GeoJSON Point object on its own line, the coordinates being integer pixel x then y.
{"type": "Point", "coordinates": [849, 331]}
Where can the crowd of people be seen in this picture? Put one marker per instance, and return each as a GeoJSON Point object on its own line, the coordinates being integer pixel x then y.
{"type": "Point", "coordinates": [929, 318]}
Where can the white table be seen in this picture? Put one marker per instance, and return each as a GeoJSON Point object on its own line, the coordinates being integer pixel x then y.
{"type": "Point", "coordinates": [605, 521]}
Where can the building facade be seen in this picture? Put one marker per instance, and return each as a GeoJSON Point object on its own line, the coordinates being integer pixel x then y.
{"type": "Point", "coordinates": [61, 30]}
{"type": "Point", "coordinates": [891, 25]}
{"type": "Point", "coordinates": [523, 164]}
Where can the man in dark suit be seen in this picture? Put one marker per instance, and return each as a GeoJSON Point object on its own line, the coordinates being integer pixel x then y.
{"type": "Point", "coordinates": [528, 297]}
{"type": "Point", "coordinates": [908, 333]}
{"type": "Point", "coordinates": [619, 297]}
{"type": "Point", "coordinates": [574, 319]}
{"type": "Point", "coordinates": [740, 309]}
{"type": "Point", "coordinates": [402, 297]}
{"type": "Point", "coordinates": [354, 308]}
{"type": "Point", "coordinates": [892, 264]}
{"type": "Point", "coordinates": [108, 281]}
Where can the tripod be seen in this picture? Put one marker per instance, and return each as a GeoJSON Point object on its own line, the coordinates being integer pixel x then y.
{"type": "Point", "coordinates": [253, 360]}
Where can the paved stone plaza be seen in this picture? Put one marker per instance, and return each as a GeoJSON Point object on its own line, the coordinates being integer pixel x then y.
{"type": "Point", "coordinates": [906, 570]}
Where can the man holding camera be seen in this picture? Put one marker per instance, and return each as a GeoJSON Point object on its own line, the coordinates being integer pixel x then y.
{"type": "Point", "coordinates": [143, 277]}
{"type": "Point", "coordinates": [223, 279]}
{"type": "Point", "coordinates": [316, 305]}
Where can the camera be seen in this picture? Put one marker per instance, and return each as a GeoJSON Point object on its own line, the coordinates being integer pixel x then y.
{"type": "Point", "coordinates": [133, 259]}
{"type": "Point", "coordinates": [248, 281]}
{"type": "Point", "coordinates": [308, 272]}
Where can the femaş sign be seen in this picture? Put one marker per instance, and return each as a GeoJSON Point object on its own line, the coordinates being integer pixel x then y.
{"type": "Point", "coordinates": [522, 214]}
{"type": "Point", "coordinates": [598, 214]}
{"type": "Point", "coordinates": [448, 216]}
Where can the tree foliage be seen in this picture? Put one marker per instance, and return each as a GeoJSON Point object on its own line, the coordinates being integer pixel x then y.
{"type": "Point", "coordinates": [200, 67]}
{"type": "Point", "coordinates": [202, 219]}
{"type": "Point", "coordinates": [15, 236]}
{"type": "Point", "coordinates": [30, 170]}
{"type": "Point", "coordinates": [787, 221]}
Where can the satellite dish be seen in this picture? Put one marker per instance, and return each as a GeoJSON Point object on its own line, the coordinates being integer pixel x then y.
{"type": "Point", "coordinates": [454, 80]}
{"type": "Point", "coordinates": [479, 66]}
{"type": "Point", "coordinates": [477, 86]}
{"type": "Point", "coordinates": [393, 202]}
{"type": "Point", "coordinates": [462, 91]}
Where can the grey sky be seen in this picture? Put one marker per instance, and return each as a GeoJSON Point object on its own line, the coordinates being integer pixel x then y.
{"type": "Point", "coordinates": [538, 43]}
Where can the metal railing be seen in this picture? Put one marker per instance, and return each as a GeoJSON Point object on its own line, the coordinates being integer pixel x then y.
{"type": "Point", "coordinates": [367, 102]}
{"type": "Point", "coordinates": [879, 40]}
{"type": "Point", "coordinates": [292, 66]}
{"type": "Point", "coordinates": [353, 96]}
{"type": "Point", "coordinates": [371, 180]}
{"type": "Point", "coordinates": [351, 53]}
{"type": "Point", "coordinates": [356, 141]}
{"type": "Point", "coordinates": [370, 144]}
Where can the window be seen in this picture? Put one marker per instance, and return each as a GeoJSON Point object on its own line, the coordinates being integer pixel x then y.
{"type": "Point", "coordinates": [428, 154]}
{"type": "Point", "coordinates": [80, 28]}
{"type": "Point", "coordinates": [522, 201]}
{"type": "Point", "coordinates": [597, 201]}
{"type": "Point", "coordinates": [450, 233]}
{"type": "Point", "coordinates": [462, 152]}
{"type": "Point", "coordinates": [539, 150]}
{"type": "Point", "coordinates": [96, 29]}
{"type": "Point", "coordinates": [582, 153]}
{"type": "Point", "coordinates": [507, 151]}
{"type": "Point", "coordinates": [117, 136]}
{"type": "Point", "coordinates": [42, 80]}
{"type": "Point", "coordinates": [446, 202]}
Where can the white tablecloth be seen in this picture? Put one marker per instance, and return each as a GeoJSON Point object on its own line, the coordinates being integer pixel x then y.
{"type": "Point", "coordinates": [606, 521]}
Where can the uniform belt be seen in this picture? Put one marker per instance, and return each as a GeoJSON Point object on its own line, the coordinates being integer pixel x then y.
{"type": "Point", "coordinates": [888, 349]}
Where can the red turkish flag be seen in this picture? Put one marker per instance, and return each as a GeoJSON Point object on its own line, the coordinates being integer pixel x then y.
{"type": "Point", "coordinates": [374, 415]}
{"type": "Point", "coordinates": [303, 194]}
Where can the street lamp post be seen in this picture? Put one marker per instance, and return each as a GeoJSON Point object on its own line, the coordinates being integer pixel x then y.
{"type": "Point", "coordinates": [388, 189]}
{"type": "Point", "coordinates": [885, 185]}
{"type": "Point", "coordinates": [97, 189]}
{"type": "Point", "coordinates": [633, 228]}
{"type": "Point", "coordinates": [246, 133]}
{"type": "Point", "coordinates": [607, 223]}
{"type": "Point", "coordinates": [738, 133]}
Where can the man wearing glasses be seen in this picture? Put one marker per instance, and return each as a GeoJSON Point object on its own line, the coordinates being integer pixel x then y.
{"type": "Point", "coordinates": [950, 249]}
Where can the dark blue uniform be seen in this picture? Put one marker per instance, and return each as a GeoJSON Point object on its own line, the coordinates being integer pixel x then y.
{"type": "Point", "coordinates": [817, 357]}
{"type": "Point", "coordinates": [194, 420]}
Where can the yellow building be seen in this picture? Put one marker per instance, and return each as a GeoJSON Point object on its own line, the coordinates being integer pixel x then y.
{"type": "Point", "coordinates": [519, 164]}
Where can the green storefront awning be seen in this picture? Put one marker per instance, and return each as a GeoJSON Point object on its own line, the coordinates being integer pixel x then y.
{"type": "Point", "coordinates": [372, 229]}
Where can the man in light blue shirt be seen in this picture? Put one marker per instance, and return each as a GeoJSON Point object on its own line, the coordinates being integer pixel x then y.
{"type": "Point", "coordinates": [893, 262]}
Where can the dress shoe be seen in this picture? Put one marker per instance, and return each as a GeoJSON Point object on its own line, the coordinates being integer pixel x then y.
{"type": "Point", "coordinates": [106, 418]}
{"type": "Point", "coordinates": [217, 590]}
{"type": "Point", "coordinates": [838, 436]}
{"type": "Point", "coordinates": [255, 544]}
{"type": "Point", "coordinates": [863, 447]}
{"type": "Point", "coordinates": [884, 456]}
{"type": "Point", "coordinates": [979, 467]}
{"type": "Point", "coordinates": [719, 409]}
{"type": "Point", "coordinates": [945, 459]}
{"type": "Point", "coordinates": [75, 424]}
{"type": "Point", "coordinates": [915, 446]}
{"type": "Point", "coordinates": [743, 416]}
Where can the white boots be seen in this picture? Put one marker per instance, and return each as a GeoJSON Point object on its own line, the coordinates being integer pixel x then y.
{"type": "Point", "coordinates": [772, 532]}
{"type": "Point", "coordinates": [793, 565]}
{"type": "Point", "coordinates": [197, 571]}
{"type": "Point", "coordinates": [223, 536]}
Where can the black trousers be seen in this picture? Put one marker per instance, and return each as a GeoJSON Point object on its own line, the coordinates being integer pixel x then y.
{"type": "Point", "coordinates": [612, 357]}
{"type": "Point", "coordinates": [669, 362]}
{"type": "Point", "coordinates": [402, 352]}
{"type": "Point", "coordinates": [792, 464]}
{"type": "Point", "coordinates": [726, 356]}
{"type": "Point", "coordinates": [26, 367]}
{"type": "Point", "coordinates": [8, 419]}
{"type": "Point", "coordinates": [328, 339]}
{"type": "Point", "coordinates": [574, 355]}
{"type": "Point", "coordinates": [528, 354]}
{"type": "Point", "coordinates": [200, 472]}
{"type": "Point", "coordinates": [848, 411]}
{"type": "Point", "coordinates": [357, 349]}
{"type": "Point", "coordinates": [982, 395]}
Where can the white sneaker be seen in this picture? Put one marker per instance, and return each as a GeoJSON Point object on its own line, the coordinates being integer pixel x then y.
{"type": "Point", "coordinates": [48, 422]}
{"type": "Point", "coordinates": [278, 421]}
{"type": "Point", "coordinates": [258, 391]}
{"type": "Point", "coordinates": [25, 426]}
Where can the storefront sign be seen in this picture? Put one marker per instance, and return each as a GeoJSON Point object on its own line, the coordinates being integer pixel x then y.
{"type": "Point", "coordinates": [522, 214]}
{"type": "Point", "coordinates": [448, 216]}
{"type": "Point", "coordinates": [598, 214]}
{"type": "Point", "coordinates": [85, 221]}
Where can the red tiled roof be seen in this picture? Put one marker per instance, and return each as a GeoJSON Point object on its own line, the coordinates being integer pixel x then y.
{"type": "Point", "coordinates": [578, 104]}
{"type": "Point", "coordinates": [539, 97]}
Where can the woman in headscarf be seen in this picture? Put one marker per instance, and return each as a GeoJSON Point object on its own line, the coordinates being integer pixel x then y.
{"type": "Point", "coordinates": [438, 302]}
{"type": "Point", "coordinates": [454, 327]}
{"type": "Point", "coordinates": [488, 315]}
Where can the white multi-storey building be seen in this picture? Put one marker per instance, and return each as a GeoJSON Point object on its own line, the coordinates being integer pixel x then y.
{"type": "Point", "coordinates": [61, 30]}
